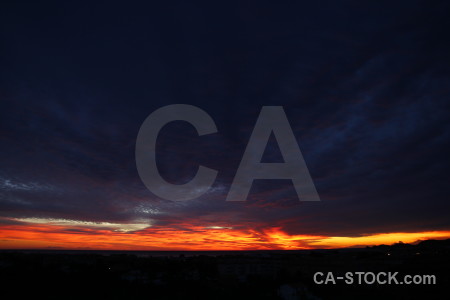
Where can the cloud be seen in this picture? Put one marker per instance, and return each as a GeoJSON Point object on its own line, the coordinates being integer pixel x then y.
{"type": "Point", "coordinates": [365, 89]}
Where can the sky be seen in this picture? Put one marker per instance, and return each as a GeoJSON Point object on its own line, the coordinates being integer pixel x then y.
{"type": "Point", "coordinates": [365, 87]}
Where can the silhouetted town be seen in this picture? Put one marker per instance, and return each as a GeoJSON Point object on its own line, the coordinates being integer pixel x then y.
{"type": "Point", "coordinates": [53, 274]}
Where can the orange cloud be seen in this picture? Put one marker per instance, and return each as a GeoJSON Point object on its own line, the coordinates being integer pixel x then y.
{"type": "Point", "coordinates": [43, 235]}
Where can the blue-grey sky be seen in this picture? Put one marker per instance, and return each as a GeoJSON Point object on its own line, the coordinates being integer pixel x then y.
{"type": "Point", "coordinates": [365, 86]}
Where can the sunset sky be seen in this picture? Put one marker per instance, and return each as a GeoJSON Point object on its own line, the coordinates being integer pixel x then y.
{"type": "Point", "coordinates": [366, 90]}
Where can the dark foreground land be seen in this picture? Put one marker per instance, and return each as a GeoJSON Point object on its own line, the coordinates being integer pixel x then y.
{"type": "Point", "coordinates": [220, 275]}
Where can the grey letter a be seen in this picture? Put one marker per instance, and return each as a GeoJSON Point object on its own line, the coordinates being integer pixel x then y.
{"type": "Point", "coordinates": [272, 118]}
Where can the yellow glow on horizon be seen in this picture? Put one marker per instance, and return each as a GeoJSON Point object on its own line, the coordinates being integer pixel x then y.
{"type": "Point", "coordinates": [378, 239]}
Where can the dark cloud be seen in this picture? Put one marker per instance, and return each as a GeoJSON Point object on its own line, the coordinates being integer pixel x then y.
{"type": "Point", "coordinates": [365, 88]}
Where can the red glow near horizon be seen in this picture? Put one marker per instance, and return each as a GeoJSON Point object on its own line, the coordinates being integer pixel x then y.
{"type": "Point", "coordinates": [49, 236]}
